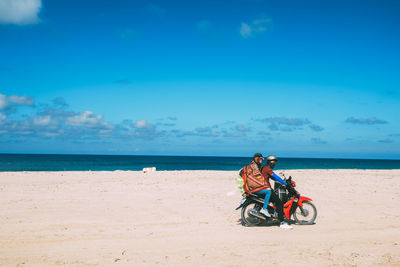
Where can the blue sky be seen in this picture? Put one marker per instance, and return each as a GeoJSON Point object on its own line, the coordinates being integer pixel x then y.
{"type": "Point", "coordinates": [293, 78]}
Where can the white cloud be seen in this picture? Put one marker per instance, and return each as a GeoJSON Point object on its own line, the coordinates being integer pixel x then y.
{"type": "Point", "coordinates": [86, 118]}
{"type": "Point", "coordinates": [241, 128]}
{"type": "Point", "coordinates": [263, 133]}
{"type": "Point", "coordinates": [3, 101]}
{"type": "Point", "coordinates": [52, 134]}
{"type": "Point", "coordinates": [7, 101]}
{"type": "Point", "coordinates": [89, 120]}
{"type": "Point", "coordinates": [365, 121]}
{"type": "Point", "coordinates": [245, 30]}
{"type": "Point", "coordinates": [54, 121]}
{"type": "Point", "coordinates": [141, 124]}
{"type": "Point", "coordinates": [42, 120]}
{"type": "Point", "coordinates": [2, 117]}
{"type": "Point", "coordinates": [19, 11]}
{"type": "Point", "coordinates": [146, 130]}
{"type": "Point", "coordinates": [286, 121]}
{"type": "Point", "coordinates": [21, 100]}
{"type": "Point", "coordinates": [233, 134]}
{"type": "Point", "coordinates": [257, 26]}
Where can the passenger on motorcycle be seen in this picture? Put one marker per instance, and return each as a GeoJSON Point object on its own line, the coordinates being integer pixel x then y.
{"type": "Point", "coordinates": [257, 181]}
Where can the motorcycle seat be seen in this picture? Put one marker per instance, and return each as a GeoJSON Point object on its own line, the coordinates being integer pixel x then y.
{"type": "Point", "coordinates": [255, 195]}
{"type": "Point", "coordinates": [258, 196]}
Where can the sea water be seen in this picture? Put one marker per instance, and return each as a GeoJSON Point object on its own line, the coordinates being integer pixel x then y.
{"type": "Point", "coordinates": [45, 162]}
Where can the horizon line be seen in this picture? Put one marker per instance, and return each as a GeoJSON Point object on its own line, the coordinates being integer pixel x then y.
{"type": "Point", "coordinates": [198, 156]}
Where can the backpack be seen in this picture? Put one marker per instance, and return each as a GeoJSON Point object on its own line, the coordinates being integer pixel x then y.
{"type": "Point", "coordinates": [252, 178]}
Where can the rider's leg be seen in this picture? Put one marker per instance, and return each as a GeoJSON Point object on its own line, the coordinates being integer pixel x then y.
{"type": "Point", "coordinates": [267, 193]}
{"type": "Point", "coordinates": [267, 197]}
{"type": "Point", "coordinates": [279, 209]}
{"type": "Point", "coordinates": [278, 205]}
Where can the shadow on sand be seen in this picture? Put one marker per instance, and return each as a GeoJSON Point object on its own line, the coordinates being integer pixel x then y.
{"type": "Point", "coordinates": [272, 222]}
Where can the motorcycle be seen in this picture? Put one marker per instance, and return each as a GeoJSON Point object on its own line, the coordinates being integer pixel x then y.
{"type": "Point", "coordinates": [301, 207]}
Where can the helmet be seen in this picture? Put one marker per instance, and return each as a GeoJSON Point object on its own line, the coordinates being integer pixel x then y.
{"type": "Point", "coordinates": [272, 158]}
{"type": "Point", "coordinates": [271, 161]}
{"type": "Point", "coordinates": [260, 160]}
{"type": "Point", "coordinates": [258, 155]}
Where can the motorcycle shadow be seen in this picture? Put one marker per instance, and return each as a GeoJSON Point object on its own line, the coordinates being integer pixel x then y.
{"type": "Point", "coordinates": [267, 223]}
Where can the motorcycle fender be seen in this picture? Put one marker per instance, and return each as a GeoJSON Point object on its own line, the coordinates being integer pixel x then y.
{"type": "Point", "coordinates": [301, 199]}
{"type": "Point", "coordinates": [286, 208]}
{"type": "Point", "coordinates": [243, 202]}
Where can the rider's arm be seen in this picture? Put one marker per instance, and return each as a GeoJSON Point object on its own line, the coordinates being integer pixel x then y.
{"type": "Point", "coordinates": [276, 177]}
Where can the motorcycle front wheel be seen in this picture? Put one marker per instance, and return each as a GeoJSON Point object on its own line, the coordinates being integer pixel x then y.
{"type": "Point", "coordinates": [247, 218]}
{"type": "Point", "coordinates": [306, 214]}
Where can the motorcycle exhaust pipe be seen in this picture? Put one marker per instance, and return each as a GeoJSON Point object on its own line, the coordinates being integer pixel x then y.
{"type": "Point", "coordinates": [256, 214]}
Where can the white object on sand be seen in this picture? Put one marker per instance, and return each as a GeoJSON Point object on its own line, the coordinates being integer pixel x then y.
{"type": "Point", "coordinates": [151, 169]}
{"type": "Point", "coordinates": [285, 226]}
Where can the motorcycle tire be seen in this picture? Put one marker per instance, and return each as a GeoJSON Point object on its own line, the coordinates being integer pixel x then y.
{"type": "Point", "coordinates": [247, 219]}
{"type": "Point", "coordinates": [309, 210]}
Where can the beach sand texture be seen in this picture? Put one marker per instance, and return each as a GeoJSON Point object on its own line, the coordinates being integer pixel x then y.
{"type": "Point", "coordinates": [186, 218]}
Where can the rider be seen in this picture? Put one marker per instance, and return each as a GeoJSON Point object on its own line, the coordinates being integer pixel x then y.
{"type": "Point", "coordinates": [268, 173]}
{"type": "Point", "coordinates": [257, 181]}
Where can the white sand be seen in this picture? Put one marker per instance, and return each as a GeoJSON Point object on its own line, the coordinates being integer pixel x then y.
{"type": "Point", "coordinates": [186, 219]}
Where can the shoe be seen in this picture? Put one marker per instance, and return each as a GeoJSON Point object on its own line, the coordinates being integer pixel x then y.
{"type": "Point", "coordinates": [265, 213]}
{"type": "Point", "coordinates": [285, 225]}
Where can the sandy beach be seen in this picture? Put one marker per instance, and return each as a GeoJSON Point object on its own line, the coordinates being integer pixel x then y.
{"type": "Point", "coordinates": [187, 218]}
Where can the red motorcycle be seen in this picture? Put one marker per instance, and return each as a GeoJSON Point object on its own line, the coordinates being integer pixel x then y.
{"type": "Point", "coordinates": [301, 207]}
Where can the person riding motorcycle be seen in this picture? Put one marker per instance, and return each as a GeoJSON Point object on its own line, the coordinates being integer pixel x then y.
{"type": "Point", "coordinates": [257, 182]}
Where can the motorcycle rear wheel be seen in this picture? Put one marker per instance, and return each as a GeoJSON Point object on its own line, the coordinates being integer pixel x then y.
{"type": "Point", "coordinates": [308, 215]}
{"type": "Point", "coordinates": [247, 219]}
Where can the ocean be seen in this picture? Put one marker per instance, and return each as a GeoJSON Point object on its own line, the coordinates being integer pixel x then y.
{"type": "Point", "coordinates": [57, 162]}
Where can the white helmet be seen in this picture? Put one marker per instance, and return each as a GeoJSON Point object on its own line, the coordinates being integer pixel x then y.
{"type": "Point", "coordinates": [272, 158]}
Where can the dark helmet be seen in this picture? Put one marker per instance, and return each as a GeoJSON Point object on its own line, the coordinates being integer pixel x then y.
{"type": "Point", "coordinates": [260, 158]}
{"type": "Point", "coordinates": [257, 155]}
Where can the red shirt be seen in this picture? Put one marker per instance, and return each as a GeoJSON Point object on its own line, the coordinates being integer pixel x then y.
{"type": "Point", "coordinates": [267, 172]}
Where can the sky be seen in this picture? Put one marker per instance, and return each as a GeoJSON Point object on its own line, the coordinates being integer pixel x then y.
{"type": "Point", "coordinates": [201, 78]}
